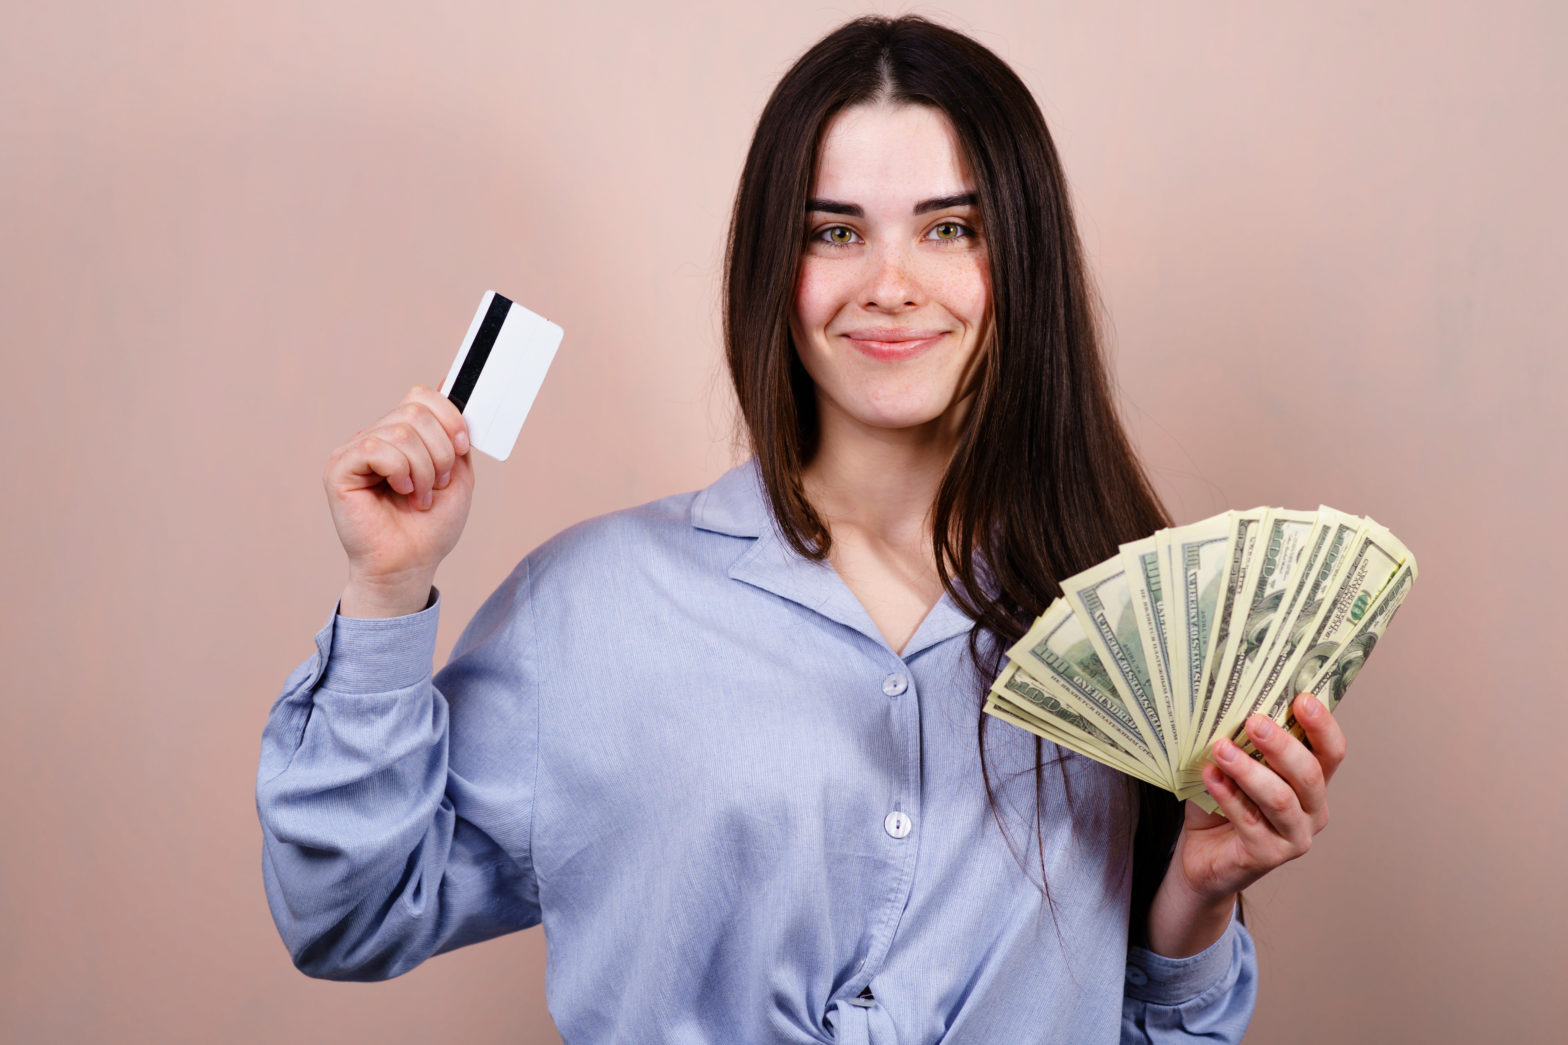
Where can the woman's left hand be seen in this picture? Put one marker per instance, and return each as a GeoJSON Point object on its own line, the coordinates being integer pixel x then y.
{"type": "Point", "coordinates": [1271, 812]}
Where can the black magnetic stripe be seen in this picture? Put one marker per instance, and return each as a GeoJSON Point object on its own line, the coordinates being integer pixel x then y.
{"type": "Point", "coordinates": [479, 351]}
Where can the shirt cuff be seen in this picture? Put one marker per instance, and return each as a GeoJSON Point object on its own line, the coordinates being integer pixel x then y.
{"type": "Point", "coordinates": [1158, 980]}
{"type": "Point", "coordinates": [382, 654]}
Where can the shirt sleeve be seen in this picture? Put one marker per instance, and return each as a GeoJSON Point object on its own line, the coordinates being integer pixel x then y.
{"type": "Point", "coordinates": [396, 808]}
{"type": "Point", "coordinates": [1208, 996]}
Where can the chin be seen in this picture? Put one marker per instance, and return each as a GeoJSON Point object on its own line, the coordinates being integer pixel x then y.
{"type": "Point", "coordinates": [898, 414]}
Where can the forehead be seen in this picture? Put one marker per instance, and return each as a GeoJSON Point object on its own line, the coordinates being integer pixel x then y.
{"type": "Point", "coordinates": [891, 155]}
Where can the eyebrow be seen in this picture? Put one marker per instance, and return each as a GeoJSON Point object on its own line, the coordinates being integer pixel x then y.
{"type": "Point", "coordinates": [854, 210]}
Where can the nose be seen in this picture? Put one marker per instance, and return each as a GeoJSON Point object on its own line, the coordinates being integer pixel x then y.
{"type": "Point", "coordinates": [892, 284]}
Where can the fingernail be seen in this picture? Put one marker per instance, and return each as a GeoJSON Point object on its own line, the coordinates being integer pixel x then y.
{"type": "Point", "coordinates": [1308, 707]}
{"type": "Point", "coordinates": [1225, 751]}
{"type": "Point", "coordinates": [461, 442]}
{"type": "Point", "coordinates": [445, 478]}
{"type": "Point", "coordinates": [1262, 728]}
{"type": "Point", "coordinates": [425, 499]}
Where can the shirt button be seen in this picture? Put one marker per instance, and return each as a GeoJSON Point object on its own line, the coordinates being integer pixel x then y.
{"type": "Point", "coordinates": [1136, 976]}
{"type": "Point", "coordinates": [894, 684]}
{"type": "Point", "coordinates": [897, 824]}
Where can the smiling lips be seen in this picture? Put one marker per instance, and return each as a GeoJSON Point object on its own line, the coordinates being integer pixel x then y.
{"type": "Point", "coordinates": [889, 344]}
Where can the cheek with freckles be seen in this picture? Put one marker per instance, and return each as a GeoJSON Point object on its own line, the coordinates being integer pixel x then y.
{"type": "Point", "coordinates": [818, 295]}
{"type": "Point", "coordinates": [967, 284]}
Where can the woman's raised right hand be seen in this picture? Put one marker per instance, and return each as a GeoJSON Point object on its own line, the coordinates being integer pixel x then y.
{"type": "Point", "coordinates": [399, 492]}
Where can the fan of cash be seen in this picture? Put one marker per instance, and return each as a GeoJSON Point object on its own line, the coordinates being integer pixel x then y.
{"type": "Point", "coordinates": [1152, 655]}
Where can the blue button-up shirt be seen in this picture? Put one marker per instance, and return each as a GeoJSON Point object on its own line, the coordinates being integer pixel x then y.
{"type": "Point", "coordinates": [739, 815]}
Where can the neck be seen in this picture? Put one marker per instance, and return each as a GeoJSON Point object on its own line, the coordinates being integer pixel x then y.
{"type": "Point", "coordinates": [879, 482]}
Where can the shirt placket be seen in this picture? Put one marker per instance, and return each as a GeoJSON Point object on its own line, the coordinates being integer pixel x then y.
{"type": "Point", "coordinates": [901, 830]}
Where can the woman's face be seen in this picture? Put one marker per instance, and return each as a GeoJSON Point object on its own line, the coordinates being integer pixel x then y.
{"type": "Point", "coordinates": [893, 301]}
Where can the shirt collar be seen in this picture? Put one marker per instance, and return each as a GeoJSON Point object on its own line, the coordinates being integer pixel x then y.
{"type": "Point", "coordinates": [737, 505]}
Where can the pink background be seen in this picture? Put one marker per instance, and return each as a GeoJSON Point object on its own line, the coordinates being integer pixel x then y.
{"type": "Point", "coordinates": [1331, 239]}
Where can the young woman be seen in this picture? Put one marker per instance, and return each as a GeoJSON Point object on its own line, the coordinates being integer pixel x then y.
{"type": "Point", "coordinates": [726, 746]}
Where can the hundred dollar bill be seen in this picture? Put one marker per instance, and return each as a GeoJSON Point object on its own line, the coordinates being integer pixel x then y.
{"type": "Point", "coordinates": [1057, 723]}
{"type": "Point", "coordinates": [1331, 678]}
{"type": "Point", "coordinates": [1057, 650]}
{"type": "Point", "coordinates": [1146, 583]}
{"type": "Point", "coordinates": [1087, 741]}
{"type": "Point", "coordinates": [1305, 600]}
{"type": "Point", "coordinates": [1318, 559]}
{"type": "Point", "coordinates": [1027, 702]}
{"type": "Point", "coordinates": [1375, 557]}
{"type": "Point", "coordinates": [1045, 730]}
{"type": "Point", "coordinates": [1193, 557]}
{"type": "Point", "coordinates": [1240, 559]}
{"type": "Point", "coordinates": [1101, 598]}
{"type": "Point", "coordinates": [1284, 538]}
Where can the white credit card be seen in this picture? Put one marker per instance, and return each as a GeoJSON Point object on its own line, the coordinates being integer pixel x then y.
{"type": "Point", "coordinates": [498, 371]}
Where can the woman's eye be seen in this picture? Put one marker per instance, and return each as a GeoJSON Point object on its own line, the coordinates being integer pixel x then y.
{"type": "Point", "coordinates": [952, 230]}
{"type": "Point", "coordinates": [837, 235]}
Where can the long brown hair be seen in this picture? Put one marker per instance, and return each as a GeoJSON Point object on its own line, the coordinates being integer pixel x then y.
{"type": "Point", "coordinates": [1043, 407]}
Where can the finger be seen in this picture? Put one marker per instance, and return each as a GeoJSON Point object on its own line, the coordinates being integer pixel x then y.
{"type": "Point", "coordinates": [1323, 732]}
{"type": "Point", "coordinates": [1273, 797]}
{"type": "Point", "coordinates": [446, 414]}
{"type": "Point", "coordinates": [1297, 766]}
{"type": "Point", "coordinates": [406, 438]}
{"type": "Point", "coordinates": [368, 460]}
{"type": "Point", "coordinates": [437, 442]}
{"type": "Point", "coordinates": [1234, 803]}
